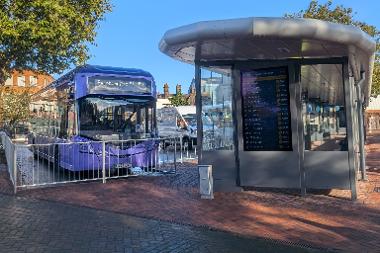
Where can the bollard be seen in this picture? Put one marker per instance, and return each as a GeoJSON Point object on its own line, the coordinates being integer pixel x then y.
{"type": "Point", "coordinates": [206, 182]}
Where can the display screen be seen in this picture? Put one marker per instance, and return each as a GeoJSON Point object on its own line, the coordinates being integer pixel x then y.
{"type": "Point", "coordinates": [266, 110]}
{"type": "Point", "coordinates": [117, 85]}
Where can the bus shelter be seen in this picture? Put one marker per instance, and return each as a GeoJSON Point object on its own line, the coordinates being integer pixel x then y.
{"type": "Point", "coordinates": [279, 101]}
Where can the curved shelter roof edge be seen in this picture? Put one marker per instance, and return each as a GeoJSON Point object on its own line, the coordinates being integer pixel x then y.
{"type": "Point", "coordinates": [239, 30]}
{"type": "Point", "coordinates": [264, 38]}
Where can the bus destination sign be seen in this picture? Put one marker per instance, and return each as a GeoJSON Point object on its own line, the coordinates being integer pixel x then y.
{"type": "Point", "coordinates": [118, 85]}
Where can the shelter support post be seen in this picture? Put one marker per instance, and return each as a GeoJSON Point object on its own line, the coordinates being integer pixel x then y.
{"type": "Point", "coordinates": [198, 102]}
{"type": "Point", "coordinates": [300, 129]}
{"type": "Point", "coordinates": [350, 133]}
{"type": "Point", "coordinates": [236, 94]}
{"type": "Point", "coordinates": [359, 102]}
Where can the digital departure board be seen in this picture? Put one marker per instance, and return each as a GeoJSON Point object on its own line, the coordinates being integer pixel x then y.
{"type": "Point", "coordinates": [266, 110]}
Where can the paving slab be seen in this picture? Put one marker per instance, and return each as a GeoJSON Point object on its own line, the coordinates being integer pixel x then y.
{"type": "Point", "coordinates": [322, 220]}
{"type": "Point", "coordinates": [42, 226]}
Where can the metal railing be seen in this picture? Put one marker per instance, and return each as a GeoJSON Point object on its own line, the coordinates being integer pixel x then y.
{"type": "Point", "coordinates": [33, 165]}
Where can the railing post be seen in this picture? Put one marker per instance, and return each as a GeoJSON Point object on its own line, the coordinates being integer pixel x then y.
{"type": "Point", "coordinates": [158, 152]}
{"type": "Point", "coordinates": [181, 145]}
{"type": "Point", "coordinates": [175, 155]}
{"type": "Point", "coordinates": [14, 168]}
{"type": "Point", "coordinates": [104, 161]}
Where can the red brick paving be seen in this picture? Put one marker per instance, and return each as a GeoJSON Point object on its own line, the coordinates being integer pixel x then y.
{"type": "Point", "coordinates": [329, 221]}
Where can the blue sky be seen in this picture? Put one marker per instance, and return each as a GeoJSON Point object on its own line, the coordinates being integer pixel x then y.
{"type": "Point", "coordinates": [130, 34]}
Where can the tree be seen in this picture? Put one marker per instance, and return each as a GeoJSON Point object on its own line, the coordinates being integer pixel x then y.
{"type": "Point", "coordinates": [14, 108]}
{"type": "Point", "coordinates": [343, 15]}
{"type": "Point", "coordinates": [376, 79]}
{"type": "Point", "coordinates": [47, 35]}
{"type": "Point", "coordinates": [178, 99]}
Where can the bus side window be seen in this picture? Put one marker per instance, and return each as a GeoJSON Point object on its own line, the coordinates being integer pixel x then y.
{"type": "Point", "coordinates": [63, 124]}
{"type": "Point", "coordinates": [71, 120]}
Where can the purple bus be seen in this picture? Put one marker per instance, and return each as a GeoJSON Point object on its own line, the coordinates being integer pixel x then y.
{"type": "Point", "coordinates": [91, 105]}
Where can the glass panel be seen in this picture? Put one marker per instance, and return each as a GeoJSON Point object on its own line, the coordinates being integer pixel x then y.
{"type": "Point", "coordinates": [266, 109]}
{"type": "Point", "coordinates": [216, 87]}
{"type": "Point", "coordinates": [71, 121]}
{"type": "Point", "coordinates": [324, 114]}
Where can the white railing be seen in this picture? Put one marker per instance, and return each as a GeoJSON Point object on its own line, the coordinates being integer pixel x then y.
{"type": "Point", "coordinates": [31, 165]}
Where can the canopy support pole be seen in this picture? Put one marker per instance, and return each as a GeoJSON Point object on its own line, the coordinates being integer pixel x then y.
{"type": "Point", "coordinates": [359, 102]}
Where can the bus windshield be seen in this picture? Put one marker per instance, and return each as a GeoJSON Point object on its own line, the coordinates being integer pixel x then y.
{"type": "Point", "coordinates": [111, 117]}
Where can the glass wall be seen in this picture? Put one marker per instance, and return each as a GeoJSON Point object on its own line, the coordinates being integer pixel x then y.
{"type": "Point", "coordinates": [216, 88]}
{"type": "Point", "coordinates": [323, 107]}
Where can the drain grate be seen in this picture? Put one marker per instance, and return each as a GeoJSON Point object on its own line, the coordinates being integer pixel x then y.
{"type": "Point", "coordinates": [376, 189]}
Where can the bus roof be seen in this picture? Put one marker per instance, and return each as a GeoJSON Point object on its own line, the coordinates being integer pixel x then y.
{"type": "Point", "coordinates": [96, 69]}
{"type": "Point", "coordinates": [111, 70]}
{"type": "Point", "coordinates": [103, 70]}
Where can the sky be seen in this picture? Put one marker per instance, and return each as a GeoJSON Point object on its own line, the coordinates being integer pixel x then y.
{"type": "Point", "coordinates": [129, 35]}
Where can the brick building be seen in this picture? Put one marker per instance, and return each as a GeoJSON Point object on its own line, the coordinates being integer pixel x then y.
{"type": "Point", "coordinates": [26, 81]}
{"type": "Point", "coordinates": [20, 82]}
{"type": "Point", "coordinates": [372, 114]}
{"type": "Point", "coordinates": [190, 97]}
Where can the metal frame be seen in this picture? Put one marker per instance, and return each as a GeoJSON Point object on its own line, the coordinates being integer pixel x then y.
{"type": "Point", "coordinates": [350, 134]}
{"type": "Point", "coordinates": [198, 102]}
{"type": "Point", "coordinates": [360, 117]}
{"type": "Point", "coordinates": [293, 182]}
{"type": "Point", "coordinates": [258, 62]}
{"type": "Point", "coordinates": [296, 63]}
{"type": "Point", "coordinates": [235, 104]}
{"type": "Point", "coordinates": [300, 129]}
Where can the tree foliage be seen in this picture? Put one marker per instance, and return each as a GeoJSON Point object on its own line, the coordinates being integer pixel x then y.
{"type": "Point", "coordinates": [14, 108]}
{"type": "Point", "coordinates": [376, 79]}
{"type": "Point", "coordinates": [47, 35]}
{"type": "Point", "coordinates": [178, 100]}
{"type": "Point", "coordinates": [344, 15]}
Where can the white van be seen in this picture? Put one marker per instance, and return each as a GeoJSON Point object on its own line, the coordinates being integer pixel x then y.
{"type": "Point", "coordinates": [178, 121]}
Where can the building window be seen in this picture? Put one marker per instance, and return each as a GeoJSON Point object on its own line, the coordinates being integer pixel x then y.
{"type": "Point", "coordinates": [33, 80]}
{"type": "Point", "coordinates": [45, 82]}
{"type": "Point", "coordinates": [9, 81]}
{"type": "Point", "coordinates": [21, 81]}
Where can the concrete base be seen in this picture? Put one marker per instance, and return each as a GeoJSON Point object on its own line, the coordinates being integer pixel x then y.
{"type": "Point", "coordinates": [226, 186]}
{"type": "Point", "coordinates": [207, 196]}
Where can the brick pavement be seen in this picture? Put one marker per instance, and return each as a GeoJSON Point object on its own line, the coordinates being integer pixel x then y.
{"type": "Point", "coordinates": [328, 221]}
{"type": "Point", "coordinates": [41, 226]}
